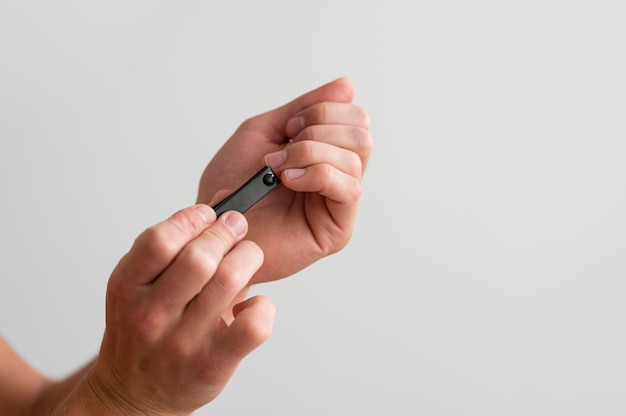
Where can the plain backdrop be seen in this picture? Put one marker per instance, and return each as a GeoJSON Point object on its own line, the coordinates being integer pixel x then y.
{"type": "Point", "coordinates": [487, 272]}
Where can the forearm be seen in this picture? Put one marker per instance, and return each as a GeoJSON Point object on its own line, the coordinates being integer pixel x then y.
{"type": "Point", "coordinates": [53, 393]}
{"type": "Point", "coordinates": [26, 392]}
{"type": "Point", "coordinates": [19, 382]}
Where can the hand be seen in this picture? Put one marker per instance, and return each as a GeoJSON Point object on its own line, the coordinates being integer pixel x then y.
{"type": "Point", "coordinates": [319, 144]}
{"type": "Point", "coordinates": [166, 349]}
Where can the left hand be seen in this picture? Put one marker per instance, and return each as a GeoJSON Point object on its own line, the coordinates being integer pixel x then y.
{"type": "Point", "coordinates": [319, 144]}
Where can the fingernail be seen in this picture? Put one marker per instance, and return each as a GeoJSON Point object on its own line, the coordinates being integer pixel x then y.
{"type": "Point", "coordinates": [236, 224]}
{"type": "Point", "coordinates": [276, 159]}
{"type": "Point", "coordinates": [294, 126]}
{"type": "Point", "coordinates": [207, 214]}
{"type": "Point", "coordinates": [293, 173]}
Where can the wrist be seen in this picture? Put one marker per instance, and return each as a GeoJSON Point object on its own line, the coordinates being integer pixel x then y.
{"type": "Point", "coordinates": [52, 393]}
{"type": "Point", "coordinates": [95, 397]}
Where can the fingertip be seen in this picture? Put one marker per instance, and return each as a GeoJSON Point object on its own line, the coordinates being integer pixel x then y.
{"type": "Point", "coordinates": [256, 319]}
{"type": "Point", "coordinates": [294, 126]}
{"type": "Point", "coordinates": [206, 212]}
{"type": "Point", "coordinates": [252, 326]}
{"type": "Point", "coordinates": [276, 159]}
{"type": "Point", "coordinates": [293, 174]}
{"type": "Point", "coordinates": [345, 85]}
{"type": "Point", "coordinates": [158, 245]}
{"type": "Point", "coordinates": [236, 223]}
{"type": "Point", "coordinates": [345, 82]}
{"type": "Point", "coordinates": [262, 304]}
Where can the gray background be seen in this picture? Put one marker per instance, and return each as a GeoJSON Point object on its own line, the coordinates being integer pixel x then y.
{"type": "Point", "coordinates": [486, 274]}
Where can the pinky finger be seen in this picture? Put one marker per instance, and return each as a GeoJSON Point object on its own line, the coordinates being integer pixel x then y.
{"type": "Point", "coordinates": [254, 319]}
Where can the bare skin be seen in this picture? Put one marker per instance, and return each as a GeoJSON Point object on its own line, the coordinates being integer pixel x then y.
{"type": "Point", "coordinates": [178, 322]}
{"type": "Point", "coordinates": [323, 142]}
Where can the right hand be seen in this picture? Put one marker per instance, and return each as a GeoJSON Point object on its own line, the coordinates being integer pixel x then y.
{"type": "Point", "coordinates": [166, 349]}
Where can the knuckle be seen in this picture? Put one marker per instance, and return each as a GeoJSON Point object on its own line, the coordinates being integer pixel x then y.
{"type": "Point", "coordinates": [186, 222]}
{"type": "Point", "coordinates": [335, 240]}
{"type": "Point", "coordinates": [228, 283]}
{"type": "Point", "coordinates": [231, 278]}
{"type": "Point", "coordinates": [320, 113]}
{"type": "Point", "coordinates": [218, 238]}
{"type": "Point", "coordinates": [117, 286]}
{"type": "Point", "coordinates": [312, 133]}
{"type": "Point", "coordinates": [327, 173]}
{"type": "Point", "coordinates": [156, 242]}
{"type": "Point", "coordinates": [306, 149]}
{"type": "Point", "coordinates": [363, 141]}
{"type": "Point", "coordinates": [325, 176]}
{"type": "Point", "coordinates": [233, 274]}
{"type": "Point", "coordinates": [181, 347]}
{"type": "Point", "coordinates": [353, 189]}
{"type": "Point", "coordinates": [354, 164]}
{"type": "Point", "coordinates": [364, 117]}
{"type": "Point", "coordinates": [358, 190]}
{"type": "Point", "coordinates": [148, 323]}
{"type": "Point", "coordinates": [334, 181]}
{"type": "Point", "coordinates": [199, 259]}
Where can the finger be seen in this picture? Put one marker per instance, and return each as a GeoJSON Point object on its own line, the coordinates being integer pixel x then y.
{"type": "Point", "coordinates": [340, 90]}
{"type": "Point", "coordinates": [326, 144]}
{"type": "Point", "coordinates": [324, 179]}
{"type": "Point", "coordinates": [308, 152]}
{"type": "Point", "coordinates": [230, 278]}
{"type": "Point", "coordinates": [198, 261]}
{"type": "Point", "coordinates": [327, 113]}
{"type": "Point", "coordinates": [158, 245]}
{"type": "Point", "coordinates": [252, 326]}
{"type": "Point", "coordinates": [355, 139]}
{"type": "Point", "coordinates": [342, 191]}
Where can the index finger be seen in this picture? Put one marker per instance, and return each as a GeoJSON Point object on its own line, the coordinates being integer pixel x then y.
{"type": "Point", "coordinates": [159, 245]}
{"type": "Point", "coordinates": [326, 113]}
{"type": "Point", "coordinates": [340, 90]}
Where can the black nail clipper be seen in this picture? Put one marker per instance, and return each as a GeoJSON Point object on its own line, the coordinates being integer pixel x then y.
{"type": "Point", "coordinates": [249, 193]}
